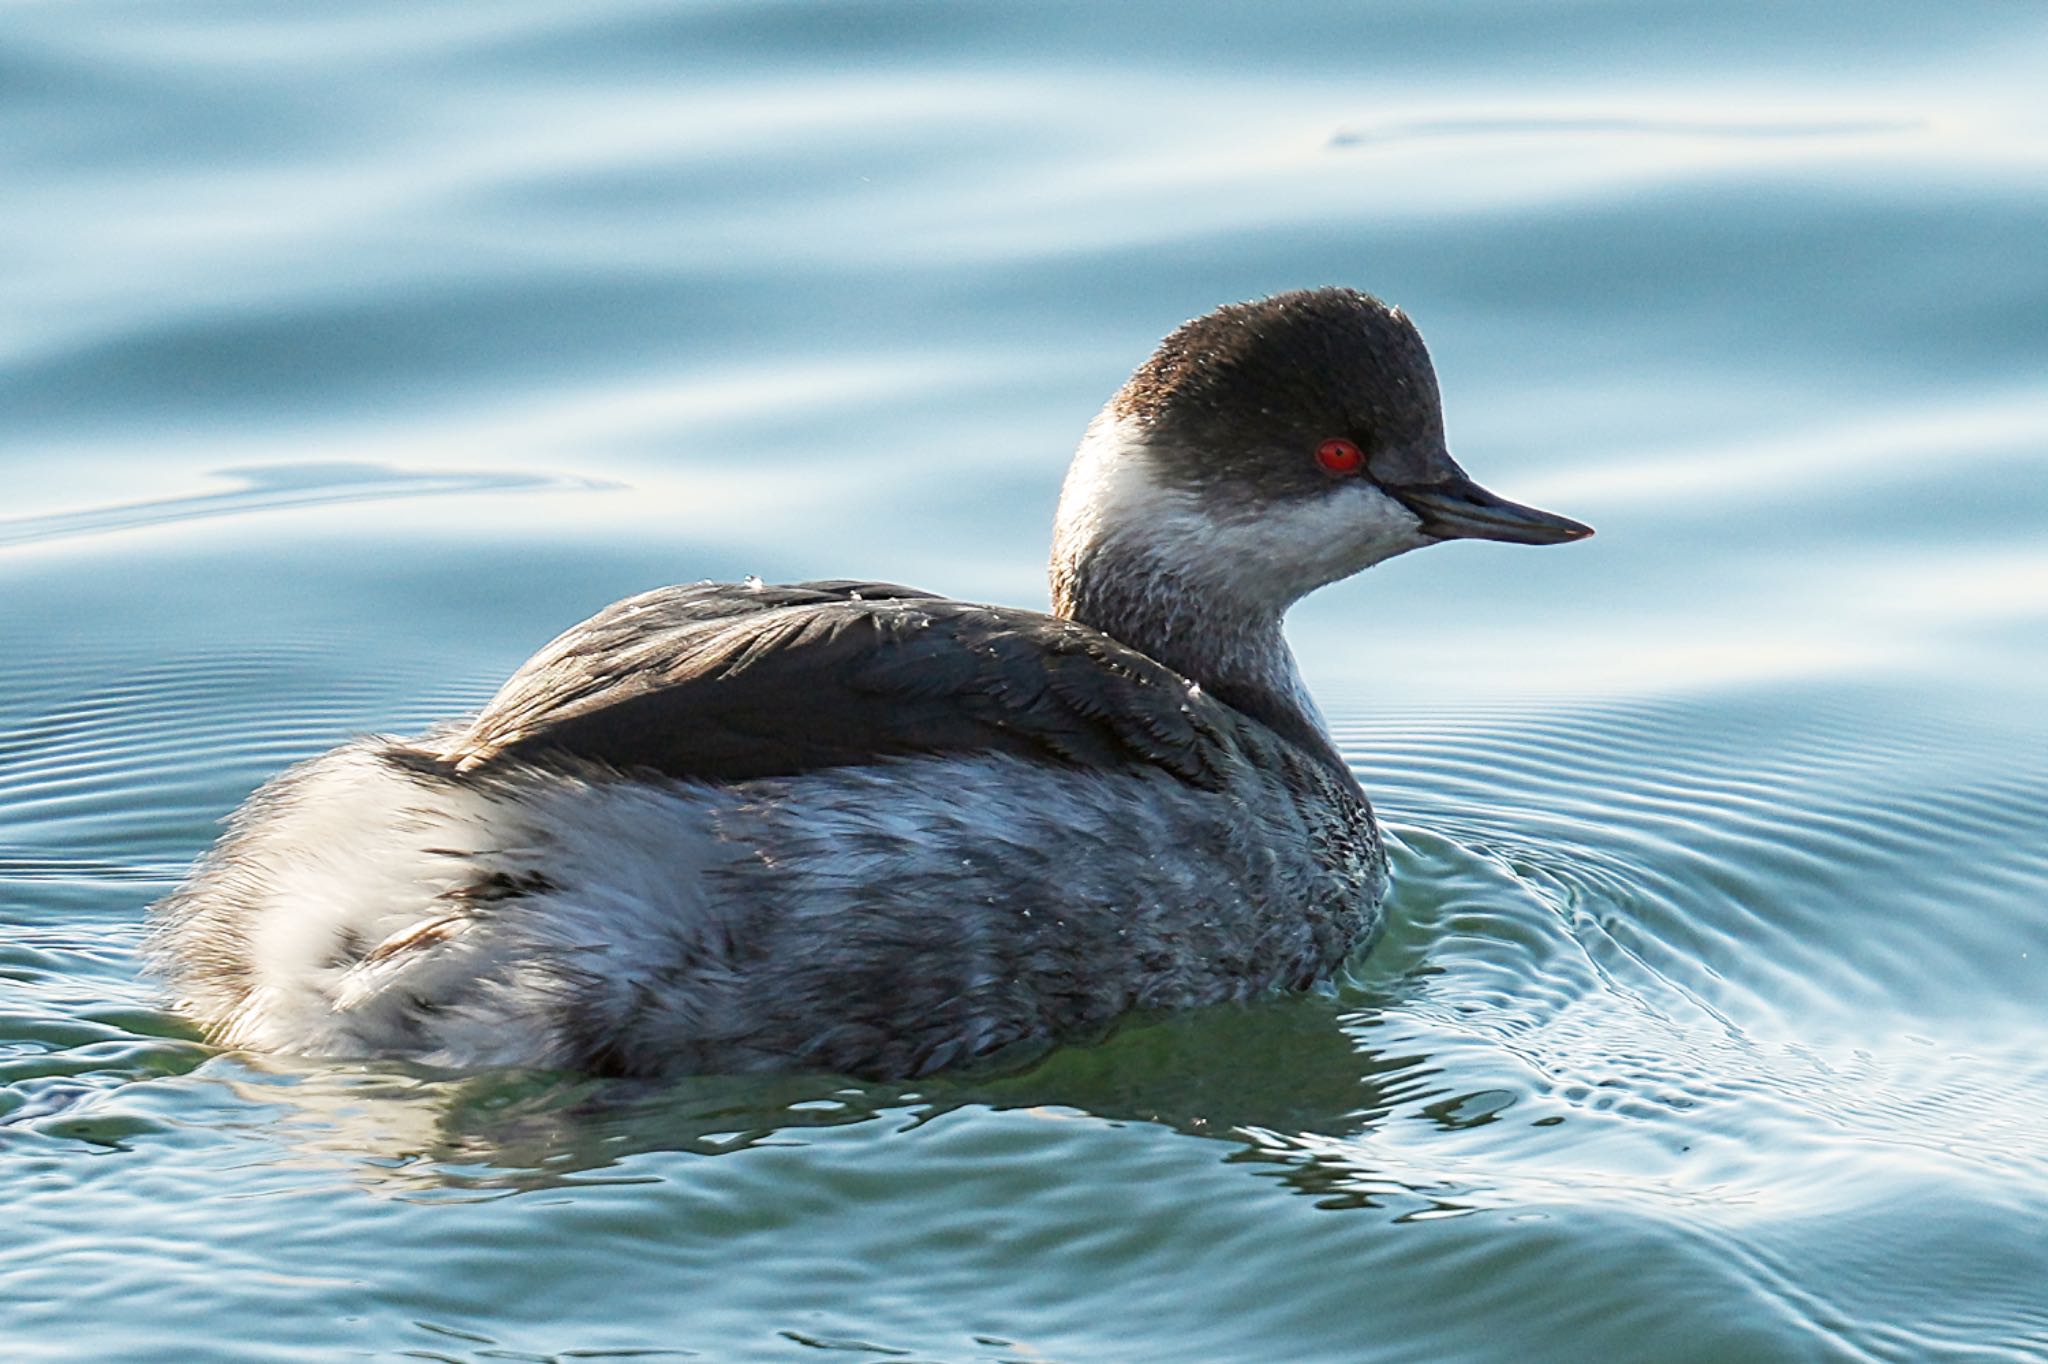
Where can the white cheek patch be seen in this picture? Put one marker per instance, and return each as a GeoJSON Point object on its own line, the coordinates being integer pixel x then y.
{"type": "Point", "coordinates": [1111, 489]}
{"type": "Point", "coordinates": [1311, 543]}
{"type": "Point", "coordinates": [1271, 555]}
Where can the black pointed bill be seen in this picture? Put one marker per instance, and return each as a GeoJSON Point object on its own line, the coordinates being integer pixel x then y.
{"type": "Point", "coordinates": [1459, 509]}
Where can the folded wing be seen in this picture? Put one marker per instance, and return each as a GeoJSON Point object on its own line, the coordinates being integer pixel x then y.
{"type": "Point", "coordinates": [726, 682]}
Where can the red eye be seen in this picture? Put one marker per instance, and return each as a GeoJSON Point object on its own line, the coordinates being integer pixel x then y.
{"type": "Point", "coordinates": [1339, 456]}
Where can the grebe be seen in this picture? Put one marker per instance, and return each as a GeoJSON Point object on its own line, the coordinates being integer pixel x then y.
{"type": "Point", "coordinates": [858, 828]}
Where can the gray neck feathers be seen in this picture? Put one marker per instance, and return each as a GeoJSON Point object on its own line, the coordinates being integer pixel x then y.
{"type": "Point", "coordinates": [1128, 560]}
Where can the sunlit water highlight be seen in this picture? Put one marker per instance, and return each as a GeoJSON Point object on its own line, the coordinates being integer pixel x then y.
{"type": "Point", "coordinates": [349, 354]}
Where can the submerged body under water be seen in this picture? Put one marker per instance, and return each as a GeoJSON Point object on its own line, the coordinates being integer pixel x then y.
{"type": "Point", "coordinates": [1707, 1023]}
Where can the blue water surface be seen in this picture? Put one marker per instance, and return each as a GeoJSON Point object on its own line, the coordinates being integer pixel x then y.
{"type": "Point", "coordinates": [348, 352]}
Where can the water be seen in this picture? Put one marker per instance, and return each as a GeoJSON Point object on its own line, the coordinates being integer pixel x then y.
{"type": "Point", "coordinates": [349, 352]}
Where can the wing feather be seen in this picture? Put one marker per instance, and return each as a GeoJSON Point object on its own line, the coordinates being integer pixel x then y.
{"type": "Point", "coordinates": [727, 682]}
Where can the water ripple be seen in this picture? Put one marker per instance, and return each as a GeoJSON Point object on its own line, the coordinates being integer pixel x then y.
{"type": "Point", "coordinates": [1708, 1021]}
{"type": "Point", "coordinates": [270, 487]}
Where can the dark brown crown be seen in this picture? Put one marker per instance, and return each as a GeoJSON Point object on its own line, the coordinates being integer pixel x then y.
{"type": "Point", "coordinates": [1242, 395]}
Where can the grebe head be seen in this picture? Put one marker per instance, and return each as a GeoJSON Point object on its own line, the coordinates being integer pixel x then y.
{"type": "Point", "coordinates": [1265, 450]}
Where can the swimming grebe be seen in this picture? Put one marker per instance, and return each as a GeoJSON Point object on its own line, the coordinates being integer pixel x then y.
{"type": "Point", "coordinates": [854, 827]}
